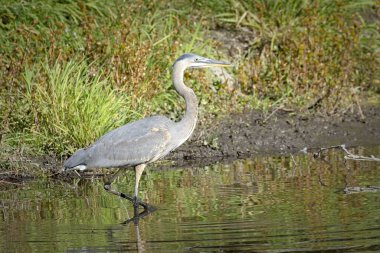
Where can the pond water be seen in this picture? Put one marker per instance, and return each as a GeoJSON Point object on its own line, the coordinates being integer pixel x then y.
{"type": "Point", "coordinates": [264, 204]}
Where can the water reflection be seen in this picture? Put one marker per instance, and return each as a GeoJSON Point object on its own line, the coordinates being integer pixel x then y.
{"type": "Point", "coordinates": [275, 204]}
{"type": "Point", "coordinates": [140, 244]}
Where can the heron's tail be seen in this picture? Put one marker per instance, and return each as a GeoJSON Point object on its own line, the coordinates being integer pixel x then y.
{"type": "Point", "coordinates": [77, 159]}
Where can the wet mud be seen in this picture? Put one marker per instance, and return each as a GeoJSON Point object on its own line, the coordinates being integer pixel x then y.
{"type": "Point", "coordinates": [277, 133]}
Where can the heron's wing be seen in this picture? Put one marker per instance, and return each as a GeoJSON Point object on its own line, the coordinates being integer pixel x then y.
{"type": "Point", "coordinates": [144, 148]}
{"type": "Point", "coordinates": [139, 142]}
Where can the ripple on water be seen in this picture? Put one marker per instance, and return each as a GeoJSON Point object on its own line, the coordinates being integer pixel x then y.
{"type": "Point", "coordinates": [259, 205]}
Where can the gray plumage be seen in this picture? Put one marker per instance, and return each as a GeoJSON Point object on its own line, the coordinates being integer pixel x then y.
{"type": "Point", "coordinates": [147, 140]}
{"type": "Point", "coordinates": [142, 141]}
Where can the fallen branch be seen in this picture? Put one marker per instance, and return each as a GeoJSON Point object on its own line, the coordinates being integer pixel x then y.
{"type": "Point", "coordinates": [272, 113]}
{"type": "Point", "coordinates": [357, 189]}
{"type": "Point", "coordinates": [348, 156]}
{"type": "Point", "coordinates": [358, 157]}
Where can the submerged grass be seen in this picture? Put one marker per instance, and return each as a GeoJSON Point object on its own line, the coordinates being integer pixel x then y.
{"type": "Point", "coordinates": [72, 70]}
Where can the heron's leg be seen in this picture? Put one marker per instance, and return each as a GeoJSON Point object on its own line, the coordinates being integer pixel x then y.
{"type": "Point", "coordinates": [136, 203]}
{"type": "Point", "coordinates": [107, 186]}
{"type": "Point", "coordinates": [138, 172]}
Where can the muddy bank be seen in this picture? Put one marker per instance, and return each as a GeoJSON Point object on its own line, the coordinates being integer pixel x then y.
{"type": "Point", "coordinates": [280, 132]}
{"type": "Point", "coordinates": [236, 136]}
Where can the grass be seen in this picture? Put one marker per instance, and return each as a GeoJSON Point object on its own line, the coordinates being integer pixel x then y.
{"type": "Point", "coordinates": [70, 71]}
{"type": "Point", "coordinates": [303, 52]}
{"type": "Point", "coordinates": [71, 105]}
{"type": "Point", "coordinates": [63, 104]}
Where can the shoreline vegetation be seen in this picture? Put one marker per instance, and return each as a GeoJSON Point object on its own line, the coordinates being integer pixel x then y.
{"type": "Point", "coordinates": [73, 70]}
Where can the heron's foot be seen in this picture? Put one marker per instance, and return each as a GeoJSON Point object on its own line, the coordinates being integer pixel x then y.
{"type": "Point", "coordinates": [136, 203]}
{"type": "Point", "coordinates": [107, 187]}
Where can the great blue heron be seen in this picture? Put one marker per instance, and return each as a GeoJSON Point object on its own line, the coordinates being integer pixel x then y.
{"type": "Point", "coordinates": [144, 141]}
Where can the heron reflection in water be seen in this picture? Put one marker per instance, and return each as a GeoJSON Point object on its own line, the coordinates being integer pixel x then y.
{"type": "Point", "coordinates": [139, 143]}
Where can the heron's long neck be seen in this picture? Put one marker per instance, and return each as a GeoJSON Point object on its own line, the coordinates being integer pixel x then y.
{"type": "Point", "coordinates": [189, 120]}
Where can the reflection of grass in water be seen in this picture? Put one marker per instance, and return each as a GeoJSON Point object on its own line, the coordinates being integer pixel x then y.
{"type": "Point", "coordinates": [266, 197]}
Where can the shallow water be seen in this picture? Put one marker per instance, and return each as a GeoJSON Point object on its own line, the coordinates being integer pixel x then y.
{"type": "Point", "coordinates": [265, 204]}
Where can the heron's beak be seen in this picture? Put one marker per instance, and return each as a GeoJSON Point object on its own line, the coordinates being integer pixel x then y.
{"type": "Point", "coordinates": [214, 63]}
{"type": "Point", "coordinates": [205, 62]}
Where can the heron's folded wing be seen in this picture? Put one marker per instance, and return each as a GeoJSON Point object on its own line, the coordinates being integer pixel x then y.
{"type": "Point", "coordinates": [143, 148]}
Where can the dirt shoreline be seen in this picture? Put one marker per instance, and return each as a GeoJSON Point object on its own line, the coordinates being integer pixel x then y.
{"type": "Point", "coordinates": [277, 133]}
{"type": "Point", "coordinates": [243, 135]}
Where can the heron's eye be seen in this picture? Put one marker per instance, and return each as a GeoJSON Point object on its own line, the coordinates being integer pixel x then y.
{"type": "Point", "coordinates": [196, 59]}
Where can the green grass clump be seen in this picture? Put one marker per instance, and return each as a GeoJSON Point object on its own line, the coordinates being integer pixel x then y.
{"type": "Point", "coordinates": [70, 106]}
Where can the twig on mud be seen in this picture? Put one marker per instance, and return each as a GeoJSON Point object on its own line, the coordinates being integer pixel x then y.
{"type": "Point", "coordinates": [348, 156]}
{"type": "Point", "coordinates": [272, 113]}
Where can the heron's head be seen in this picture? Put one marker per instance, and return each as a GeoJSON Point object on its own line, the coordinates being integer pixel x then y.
{"type": "Point", "coordinates": [196, 61]}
